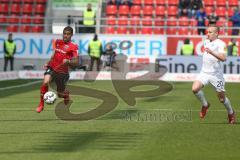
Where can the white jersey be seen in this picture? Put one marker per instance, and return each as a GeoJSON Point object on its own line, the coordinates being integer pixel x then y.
{"type": "Point", "coordinates": [210, 63]}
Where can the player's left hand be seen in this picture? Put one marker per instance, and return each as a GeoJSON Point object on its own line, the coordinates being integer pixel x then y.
{"type": "Point", "coordinates": [208, 50]}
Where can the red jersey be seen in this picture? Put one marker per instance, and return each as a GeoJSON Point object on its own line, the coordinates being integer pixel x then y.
{"type": "Point", "coordinates": [63, 51]}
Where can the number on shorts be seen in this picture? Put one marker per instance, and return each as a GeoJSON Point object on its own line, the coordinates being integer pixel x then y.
{"type": "Point", "coordinates": [220, 84]}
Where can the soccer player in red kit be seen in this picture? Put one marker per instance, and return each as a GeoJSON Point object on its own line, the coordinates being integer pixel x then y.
{"type": "Point", "coordinates": [57, 69]}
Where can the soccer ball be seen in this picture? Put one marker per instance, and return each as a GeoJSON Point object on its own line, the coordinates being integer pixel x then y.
{"type": "Point", "coordinates": [49, 97]}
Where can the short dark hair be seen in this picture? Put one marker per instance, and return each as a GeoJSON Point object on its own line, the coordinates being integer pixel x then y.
{"type": "Point", "coordinates": [214, 25]}
{"type": "Point", "coordinates": [68, 28]}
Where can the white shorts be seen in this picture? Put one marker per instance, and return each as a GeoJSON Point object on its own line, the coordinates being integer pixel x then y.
{"type": "Point", "coordinates": [216, 80]}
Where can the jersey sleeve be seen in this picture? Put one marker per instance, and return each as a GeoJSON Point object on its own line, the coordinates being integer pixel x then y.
{"type": "Point", "coordinates": [222, 47]}
{"type": "Point", "coordinates": [75, 50]}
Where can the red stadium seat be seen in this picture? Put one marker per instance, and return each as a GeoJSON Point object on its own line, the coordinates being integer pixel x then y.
{"type": "Point", "coordinates": [193, 22]}
{"type": "Point", "coordinates": [221, 3]}
{"type": "Point", "coordinates": [27, 8]}
{"type": "Point", "coordinates": [123, 20]}
{"type": "Point", "coordinates": [41, 1]}
{"type": "Point", "coordinates": [122, 30]}
{"type": "Point", "coordinates": [148, 2]}
{"type": "Point", "coordinates": [28, 1]}
{"type": "Point", "coordinates": [40, 8]}
{"type": "Point", "coordinates": [158, 31]}
{"type": "Point", "coordinates": [148, 10]}
{"type": "Point", "coordinates": [172, 11]}
{"type": "Point", "coordinates": [12, 28]}
{"type": "Point", "coordinates": [230, 12]}
{"type": "Point", "coordinates": [208, 10]}
{"type": "Point", "coordinates": [24, 28]}
{"type": "Point", "coordinates": [37, 29]}
{"type": "Point", "coordinates": [38, 19]}
{"type": "Point", "coordinates": [147, 21]}
{"type": "Point", "coordinates": [229, 23]}
{"type": "Point", "coordinates": [194, 31]}
{"type": "Point", "coordinates": [4, 1]}
{"type": "Point", "coordinates": [221, 22]}
{"type": "Point", "coordinates": [111, 20]}
{"type": "Point", "coordinates": [4, 8]}
{"type": "Point", "coordinates": [221, 11]}
{"type": "Point", "coordinates": [3, 18]}
{"type": "Point", "coordinates": [183, 31]}
{"type": "Point", "coordinates": [160, 2]}
{"type": "Point", "coordinates": [137, 2]}
{"type": "Point", "coordinates": [110, 30]}
{"type": "Point", "coordinates": [209, 3]}
{"type": "Point", "coordinates": [111, 10]}
{"type": "Point", "coordinates": [172, 2]}
{"type": "Point", "coordinates": [26, 19]}
{"type": "Point", "coordinates": [123, 10]}
{"type": "Point", "coordinates": [135, 20]}
{"type": "Point", "coordinates": [17, 1]}
{"type": "Point", "coordinates": [15, 8]}
{"type": "Point", "coordinates": [233, 3]}
{"type": "Point", "coordinates": [136, 10]}
{"type": "Point", "coordinates": [172, 21]}
{"type": "Point", "coordinates": [13, 19]}
{"type": "Point", "coordinates": [172, 31]}
{"type": "Point", "coordinates": [146, 31]}
{"type": "Point", "coordinates": [183, 21]}
{"type": "Point", "coordinates": [159, 21]}
{"type": "Point", "coordinates": [134, 31]}
{"type": "Point", "coordinates": [160, 11]}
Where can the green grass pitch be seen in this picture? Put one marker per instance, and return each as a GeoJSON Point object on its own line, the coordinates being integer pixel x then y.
{"type": "Point", "coordinates": [165, 127]}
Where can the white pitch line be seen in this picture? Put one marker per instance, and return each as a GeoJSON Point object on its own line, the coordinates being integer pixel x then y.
{"type": "Point", "coordinates": [18, 86]}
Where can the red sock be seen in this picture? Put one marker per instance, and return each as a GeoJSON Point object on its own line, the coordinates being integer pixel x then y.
{"type": "Point", "coordinates": [66, 94]}
{"type": "Point", "coordinates": [43, 90]}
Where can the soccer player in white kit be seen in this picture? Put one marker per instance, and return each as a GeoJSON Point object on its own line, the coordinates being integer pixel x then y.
{"type": "Point", "coordinates": [211, 72]}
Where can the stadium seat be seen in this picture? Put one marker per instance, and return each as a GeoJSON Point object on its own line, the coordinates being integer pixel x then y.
{"type": "Point", "coordinates": [148, 10]}
{"type": "Point", "coordinates": [26, 19]}
{"type": "Point", "coordinates": [123, 20]}
{"type": "Point", "coordinates": [38, 19]}
{"type": "Point", "coordinates": [194, 31]}
{"type": "Point", "coordinates": [193, 22]}
{"type": "Point", "coordinates": [171, 31]}
{"type": "Point", "coordinates": [148, 2]}
{"type": "Point", "coordinates": [172, 2]}
{"type": "Point", "coordinates": [183, 21]}
{"type": "Point", "coordinates": [41, 1]}
{"type": "Point", "coordinates": [172, 11]}
{"type": "Point", "coordinates": [13, 19]}
{"type": "Point", "coordinates": [40, 9]}
{"type": "Point", "coordinates": [4, 1]}
{"type": "Point", "coordinates": [135, 20]}
{"type": "Point", "coordinates": [137, 2]}
{"type": "Point", "coordinates": [122, 30]}
{"type": "Point", "coordinates": [208, 10]}
{"type": "Point", "coordinates": [160, 2]}
{"type": "Point", "coordinates": [17, 1]}
{"type": "Point", "coordinates": [208, 3]}
{"type": "Point", "coordinates": [3, 18]}
{"type": "Point", "coordinates": [27, 8]}
{"type": "Point", "coordinates": [158, 31]}
{"type": "Point", "coordinates": [12, 28]}
{"type": "Point", "coordinates": [221, 11]}
{"type": "Point", "coordinates": [24, 28]}
{"type": "Point", "coordinates": [134, 31]}
{"type": "Point", "coordinates": [221, 22]}
{"type": "Point", "coordinates": [230, 12]}
{"type": "Point", "coordinates": [37, 29]}
{"type": "Point", "coordinates": [135, 10]}
{"type": "Point", "coordinates": [159, 21]}
{"type": "Point", "coordinates": [146, 31]}
{"type": "Point", "coordinates": [160, 11]}
{"type": "Point", "coordinates": [111, 20]}
{"type": "Point", "coordinates": [27, 1]}
{"type": "Point", "coordinates": [123, 10]}
{"type": "Point", "coordinates": [183, 31]}
{"type": "Point", "coordinates": [233, 3]}
{"type": "Point", "coordinates": [4, 8]}
{"type": "Point", "coordinates": [221, 3]}
{"type": "Point", "coordinates": [111, 10]}
{"type": "Point", "coordinates": [147, 21]}
{"type": "Point", "coordinates": [15, 8]}
{"type": "Point", "coordinates": [110, 30]}
{"type": "Point", "coordinates": [171, 21]}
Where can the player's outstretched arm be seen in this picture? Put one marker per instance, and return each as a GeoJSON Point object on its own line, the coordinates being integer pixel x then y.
{"type": "Point", "coordinates": [73, 62]}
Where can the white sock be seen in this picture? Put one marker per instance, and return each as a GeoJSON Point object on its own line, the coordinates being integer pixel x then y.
{"type": "Point", "coordinates": [201, 98]}
{"type": "Point", "coordinates": [228, 106]}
